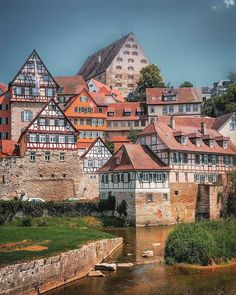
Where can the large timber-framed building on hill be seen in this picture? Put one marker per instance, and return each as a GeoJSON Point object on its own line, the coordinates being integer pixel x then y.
{"type": "Point", "coordinates": [118, 65]}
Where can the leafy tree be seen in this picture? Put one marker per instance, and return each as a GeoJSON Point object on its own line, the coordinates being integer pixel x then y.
{"type": "Point", "coordinates": [133, 135]}
{"type": "Point", "coordinates": [186, 84]}
{"type": "Point", "coordinates": [232, 77]}
{"type": "Point", "coordinates": [110, 145]}
{"type": "Point", "coordinates": [150, 78]}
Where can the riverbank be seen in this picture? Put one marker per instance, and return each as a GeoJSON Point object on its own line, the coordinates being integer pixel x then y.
{"type": "Point", "coordinates": [31, 238]}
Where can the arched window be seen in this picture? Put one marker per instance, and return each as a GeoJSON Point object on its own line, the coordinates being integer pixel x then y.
{"type": "Point", "coordinates": [130, 68]}
{"type": "Point", "coordinates": [130, 60]}
{"type": "Point", "coordinates": [127, 46]}
{"type": "Point", "coordinates": [126, 53]}
{"type": "Point", "coordinates": [131, 39]}
{"type": "Point", "coordinates": [119, 59]}
{"type": "Point", "coordinates": [143, 61]}
{"type": "Point", "coordinates": [118, 67]}
{"type": "Point", "coordinates": [135, 46]}
{"type": "Point", "coordinates": [135, 53]}
{"type": "Point", "coordinates": [118, 76]}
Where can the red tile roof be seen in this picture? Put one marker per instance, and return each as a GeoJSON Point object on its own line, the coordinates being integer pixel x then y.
{"type": "Point", "coordinates": [183, 95]}
{"type": "Point", "coordinates": [91, 146]}
{"type": "Point", "coordinates": [71, 84]}
{"type": "Point", "coordinates": [221, 120]}
{"type": "Point", "coordinates": [103, 88]}
{"type": "Point", "coordinates": [8, 148]}
{"type": "Point", "coordinates": [188, 126]}
{"type": "Point", "coordinates": [3, 88]}
{"type": "Point", "coordinates": [101, 99]}
{"type": "Point", "coordinates": [133, 157]}
{"type": "Point", "coordinates": [120, 108]}
{"type": "Point", "coordinates": [119, 139]}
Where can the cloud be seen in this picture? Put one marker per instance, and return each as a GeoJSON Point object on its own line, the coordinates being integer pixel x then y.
{"type": "Point", "coordinates": [229, 3]}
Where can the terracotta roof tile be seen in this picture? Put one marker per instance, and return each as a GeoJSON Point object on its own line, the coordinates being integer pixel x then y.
{"type": "Point", "coordinates": [183, 95]}
{"type": "Point", "coordinates": [8, 148]}
{"type": "Point", "coordinates": [120, 108]}
{"type": "Point", "coordinates": [3, 88]}
{"type": "Point", "coordinates": [219, 121]}
{"type": "Point", "coordinates": [71, 84]}
{"type": "Point", "coordinates": [134, 157]}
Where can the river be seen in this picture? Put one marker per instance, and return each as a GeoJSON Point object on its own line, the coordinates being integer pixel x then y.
{"type": "Point", "coordinates": [148, 276]}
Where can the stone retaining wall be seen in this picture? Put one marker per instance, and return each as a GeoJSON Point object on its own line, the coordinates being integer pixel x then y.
{"type": "Point", "coordinates": [39, 276]}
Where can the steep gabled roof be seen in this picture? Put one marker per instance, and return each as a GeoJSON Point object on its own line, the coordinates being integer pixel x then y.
{"type": "Point", "coordinates": [221, 120]}
{"type": "Point", "coordinates": [92, 145]}
{"type": "Point", "coordinates": [71, 84]}
{"type": "Point", "coordinates": [183, 95]}
{"type": "Point", "coordinates": [133, 157]}
{"type": "Point", "coordinates": [101, 60]}
{"type": "Point", "coordinates": [3, 88]}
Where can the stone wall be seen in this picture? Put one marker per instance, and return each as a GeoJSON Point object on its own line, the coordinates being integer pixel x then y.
{"type": "Point", "coordinates": [54, 180]}
{"type": "Point", "coordinates": [41, 275]}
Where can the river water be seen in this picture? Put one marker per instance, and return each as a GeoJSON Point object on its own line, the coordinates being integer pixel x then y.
{"type": "Point", "coordinates": [148, 276]}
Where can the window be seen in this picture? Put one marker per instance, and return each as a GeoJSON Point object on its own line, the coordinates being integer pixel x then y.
{"type": "Point", "coordinates": [145, 177]}
{"type": "Point", "coordinates": [165, 197]}
{"type": "Point", "coordinates": [3, 135]}
{"type": "Point", "coordinates": [143, 61]}
{"type": "Point", "coordinates": [127, 45]}
{"type": "Point", "coordinates": [3, 121]}
{"type": "Point", "coordinates": [135, 53]}
{"type": "Point", "coordinates": [149, 198]}
{"type": "Point", "coordinates": [62, 157]}
{"type": "Point", "coordinates": [62, 139]}
{"type": "Point", "coordinates": [26, 116]}
{"type": "Point", "coordinates": [142, 140]}
{"type": "Point", "coordinates": [225, 144]}
{"type": "Point", "coordinates": [171, 109]}
{"type": "Point", "coordinates": [143, 123]}
{"type": "Point", "coordinates": [76, 109]}
{"type": "Point", "coordinates": [205, 159]}
{"type": "Point", "coordinates": [176, 159]}
{"type": "Point", "coordinates": [135, 46]}
{"type": "Point", "coordinates": [136, 123]}
{"type": "Point", "coordinates": [123, 124]}
{"type": "Point", "coordinates": [130, 123]}
{"type": "Point", "coordinates": [115, 124]}
{"type": "Point", "coordinates": [130, 60]}
{"type": "Point", "coordinates": [188, 107]}
{"type": "Point", "coordinates": [119, 67]}
{"type": "Point", "coordinates": [3, 107]}
{"type": "Point", "coordinates": [232, 125]}
{"type": "Point", "coordinates": [158, 177]}
{"type": "Point", "coordinates": [130, 85]}
{"type": "Point", "coordinates": [164, 110]}
{"type": "Point", "coordinates": [110, 114]}
{"type": "Point", "coordinates": [81, 122]}
{"type": "Point", "coordinates": [130, 68]}
{"type": "Point", "coordinates": [108, 124]}
{"type": "Point", "coordinates": [71, 139]}
{"type": "Point", "coordinates": [177, 176]}
{"type": "Point", "coordinates": [49, 92]}
{"type": "Point", "coordinates": [42, 122]}
{"type": "Point", "coordinates": [197, 159]}
{"type": "Point", "coordinates": [130, 77]}
{"type": "Point", "coordinates": [198, 141]}
{"type": "Point", "coordinates": [83, 98]}
{"type": "Point", "coordinates": [32, 157]}
{"type": "Point", "coordinates": [226, 160]}
{"type": "Point", "coordinates": [42, 138]}
{"type": "Point", "coordinates": [154, 139]}
{"type": "Point", "coordinates": [52, 138]}
{"type": "Point", "coordinates": [185, 158]}
{"type": "Point", "coordinates": [181, 108]}
{"type": "Point", "coordinates": [183, 140]}
{"type": "Point", "coordinates": [76, 121]}
{"type": "Point", "coordinates": [126, 53]}
{"type": "Point", "coordinates": [47, 156]}
{"type": "Point", "coordinates": [32, 138]}
{"type": "Point", "coordinates": [118, 76]}
{"type": "Point", "coordinates": [195, 107]}
{"type": "Point", "coordinates": [131, 39]}
{"type": "Point", "coordinates": [119, 59]}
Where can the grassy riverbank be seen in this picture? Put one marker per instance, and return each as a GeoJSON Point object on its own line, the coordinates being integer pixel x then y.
{"type": "Point", "coordinates": [202, 243]}
{"type": "Point", "coordinates": [29, 238]}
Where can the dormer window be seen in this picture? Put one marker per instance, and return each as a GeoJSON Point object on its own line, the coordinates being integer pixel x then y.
{"type": "Point", "coordinates": [183, 140]}
{"type": "Point", "coordinates": [117, 161]}
{"type": "Point", "coordinates": [211, 143]}
{"type": "Point", "coordinates": [61, 89]}
{"type": "Point", "coordinates": [110, 114]}
{"type": "Point", "coordinates": [232, 124]}
{"type": "Point", "coordinates": [83, 98]}
{"type": "Point", "coordinates": [198, 141]}
{"type": "Point", "coordinates": [224, 143]}
{"type": "Point", "coordinates": [126, 52]}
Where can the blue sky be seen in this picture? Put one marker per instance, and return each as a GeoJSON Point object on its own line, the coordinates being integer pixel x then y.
{"type": "Point", "coordinates": [189, 39]}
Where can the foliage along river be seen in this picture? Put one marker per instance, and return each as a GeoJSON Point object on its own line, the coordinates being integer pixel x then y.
{"type": "Point", "coordinates": [148, 276]}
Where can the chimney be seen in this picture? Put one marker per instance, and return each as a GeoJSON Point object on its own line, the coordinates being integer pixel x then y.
{"type": "Point", "coordinates": [203, 128]}
{"type": "Point", "coordinates": [172, 122]}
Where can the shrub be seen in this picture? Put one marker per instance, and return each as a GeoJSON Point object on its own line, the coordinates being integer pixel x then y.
{"type": "Point", "coordinates": [122, 208]}
{"type": "Point", "coordinates": [108, 204]}
{"type": "Point", "coordinates": [26, 221]}
{"type": "Point", "coordinates": [202, 243]}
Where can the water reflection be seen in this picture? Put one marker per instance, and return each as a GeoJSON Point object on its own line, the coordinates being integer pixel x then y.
{"type": "Point", "coordinates": [150, 278]}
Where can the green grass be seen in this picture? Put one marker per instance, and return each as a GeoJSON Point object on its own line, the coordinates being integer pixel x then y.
{"type": "Point", "coordinates": [57, 233]}
{"type": "Point", "coordinates": [202, 243]}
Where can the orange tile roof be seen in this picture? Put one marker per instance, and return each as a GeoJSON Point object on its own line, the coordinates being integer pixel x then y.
{"type": "Point", "coordinates": [119, 139]}
{"type": "Point", "coordinates": [120, 108]}
{"type": "Point", "coordinates": [133, 157]}
{"type": "Point", "coordinates": [188, 126]}
{"type": "Point", "coordinates": [8, 148]}
{"type": "Point", "coordinates": [101, 99]}
{"type": "Point", "coordinates": [183, 95]}
{"type": "Point", "coordinates": [71, 84]}
{"type": "Point", "coordinates": [103, 88]}
{"type": "Point", "coordinates": [3, 88]}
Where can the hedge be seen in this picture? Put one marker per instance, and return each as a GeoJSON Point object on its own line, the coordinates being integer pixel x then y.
{"type": "Point", "coordinates": [202, 243]}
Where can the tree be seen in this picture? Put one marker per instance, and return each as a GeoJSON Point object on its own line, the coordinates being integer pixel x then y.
{"type": "Point", "coordinates": [150, 78]}
{"type": "Point", "coordinates": [186, 84]}
{"type": "Point", "coordinates": [110, 145]}
{"type": "Point", "coordinates": [232, 77]}
{"type": "Point", "coordinates": [133, 135]}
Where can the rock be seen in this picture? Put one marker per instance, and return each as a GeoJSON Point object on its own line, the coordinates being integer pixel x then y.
{"type": "Point", "coordinates": [128, 264]}
{"type": "Point", "coordinates": [148, 253]}
{"type": "Point", "coordinates": [106, 266]}
{"type": "Point", "coordinates": [96, 273]}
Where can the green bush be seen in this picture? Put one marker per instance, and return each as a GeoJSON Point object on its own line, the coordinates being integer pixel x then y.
{"type": "Point", "coordinates": [202, 243]}
{"type": "Point", "coordinates": [122, 208]}
{"type": "Point", "coordinates": [108, 204]}
{"type": "Point", "coordinates": [25, 221]}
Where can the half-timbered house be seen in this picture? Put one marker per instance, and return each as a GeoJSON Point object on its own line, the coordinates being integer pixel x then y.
{"type": "Point", "coordinates": [95, 156]}
{"type": "Point", "coordinates": [30, 90]}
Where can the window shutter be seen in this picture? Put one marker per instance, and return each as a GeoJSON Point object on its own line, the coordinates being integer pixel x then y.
{"type": "Point", "coordinates": [22, 116]}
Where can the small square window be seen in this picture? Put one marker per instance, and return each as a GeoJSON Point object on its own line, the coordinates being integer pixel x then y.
{"type": "Point", "coordinates": [149, 198]}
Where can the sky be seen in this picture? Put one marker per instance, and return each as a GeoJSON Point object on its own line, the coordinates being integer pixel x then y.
{"type": "Point", "coordinates": [192, 40]}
